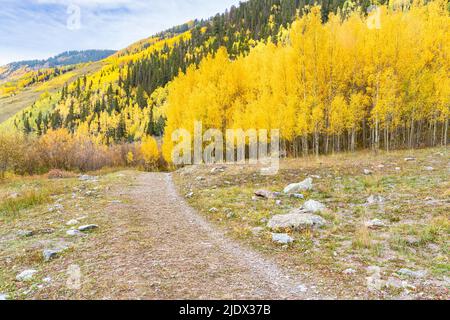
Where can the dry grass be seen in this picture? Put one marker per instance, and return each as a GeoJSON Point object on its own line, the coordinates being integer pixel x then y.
{"type": "Point", "coordinates": [415, 211]}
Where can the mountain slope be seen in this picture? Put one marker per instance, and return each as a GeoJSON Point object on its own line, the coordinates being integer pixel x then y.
{"type": "Point", "coordinates": [15, 69]}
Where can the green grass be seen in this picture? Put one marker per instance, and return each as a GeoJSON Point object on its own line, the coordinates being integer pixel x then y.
{"type": "Point", "coordinates": [30, 199]}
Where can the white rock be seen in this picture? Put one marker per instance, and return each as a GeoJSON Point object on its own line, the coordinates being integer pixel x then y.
{"type": "Point", "coordinates": [428, 168]}
{"type": "Point", "coordinates": [50, 254]}
{"type": "Point", "coordinates": [398, 169]}
{"type": "Point", "coordinates": [282, 238]}
{"type": "Point", "coordinates": [257, 230]}
{"type": "Point", "coordinates": [86, 177]}
{"type": "Point", "coordinates": [349, 271]}
{"type": "Point", "coordinates": [72, 222]}
{"type": "Point", "coordinates": [74, 233]}
{"type": "Point", "coordinates": [295, 221]}
{"type": "Point", "coordinates": [367, 172]}
{"type": "Point", "coordinates": [3, 297]}
{"type": "Point", "coordinates": [297, 196]}
{"type": "Point", "coordinates": [88, 227]}
{"type": "Point", "coordinates": [375, 224]}
{"type": "Point", "coordinates": [265, 194]}
{"type": "Point", "coordinates": [189, 195]}
{"type": "Point", "coordinates": [213, 210]}
{"type": "Point", "coordinates": [14, 195]}
{"type": "Point", "coordinates": [375, 200]}
{"type": "Point", "coordinates": [26, 275]}
{"type": "Point", "coordinates": [313, 206]}
{"type": "Point", "coordinates": [278, 202]}
{"type": "Point", "coordinates": [305, 185]}
{"type": "Point", "coordinates": [411, 273]}
{"type": "Point", "coordinates": [410, 159]}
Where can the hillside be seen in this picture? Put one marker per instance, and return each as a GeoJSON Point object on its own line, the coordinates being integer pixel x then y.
{"type": "Point", "coordinates": [15, 69]}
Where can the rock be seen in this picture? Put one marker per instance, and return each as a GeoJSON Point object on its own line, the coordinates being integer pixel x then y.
{"type": "Point", "coordinates": [295, 221]}
{"type": "Point", "coordinates": [189, 195]}
{"type": "Point", "coordinates": [86, 177]}
{"type": "Point", "coordinates": [409, 159]}
{"type": "Point", "coordinates": [282, 238]}
{"type": "Point", "coordinates": [398, 169]}
{"type": "Point", "coordinates": [394, 283]}
{"type": "Point", "coordinates": [278, 202]}
{"type": "Point", "coordinates": [313, 206]}
{"type": "Point", "coordinates": [88, 227]}
{"type": "Point", "coordinates": [428, 168]}
{"type": "Point", "coordinates": [47, 280]}
{"type": "Point", "coordinates": [380, 166]}
{"type": "Point", "coordinates": [50, 254]}
{"type": "Point", "coordinates": [349, 271]}
{"type": "Point", "coordinates": [297, 187]}
{"type": "Point", "coordinates": [25, 233]}
{"type": "Point", "coordinates": [368, 172]}
{"type": "Point", "coordinates": [213, 210]}
{"type": "Point", "coordinates": [374, 282]}
{"type": "Point", "coordinates": [375, 224]}
{"type": "Point", "coordinates": [297, 196]}
{"type": "Point", "coordinates": [74, 233]}
{"type": "Point", "coordinates": [200, 179]}
{"type": "Point", "coordinates": [265, 194]}
{"type": "Point", "coordinates": [3, 297]}
{"type": "Point", "coordinates": [257, 231]}
{"type": "Point", "coordinates": [411, 273]}
{"type": "Point", "coordinates": [375, 200]}
{"type": "Point", "coordinates": [14, 195]}
{"type": "Point", "coordinates": [115, 202]}
{"type": "Point", "coordinates": [72, 222]}
{"type": "Point", "coordinates": [26, 275]}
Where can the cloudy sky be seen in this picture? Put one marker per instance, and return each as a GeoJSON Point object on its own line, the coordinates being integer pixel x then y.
{"type": "Point", "coordinates": [37, 29]}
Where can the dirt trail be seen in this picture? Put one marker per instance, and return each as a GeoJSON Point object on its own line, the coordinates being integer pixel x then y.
{"type": "Point", "coordinates": [171, 252]}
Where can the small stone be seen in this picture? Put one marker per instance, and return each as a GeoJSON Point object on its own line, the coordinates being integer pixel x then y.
{"type": "Point", "coordinates": [265, 194]}
{"type": "Point", "coordinates": [313, 206]}
{"type": "Point", "coordinates": [305, 185]}
{"type": "Point", "coordinates": [26, 275]}
{"type": "Point", "coordinates": [88, 227]}
{"type": "Point", "coordinates": [375, 224]}
{"type": "Point", "coordinates": [213, 210]}
{"type": "Point", "coordinates": [282, 238]}
{"type": "Point", "coordinates": [394, 283]}
{"type": "Point", "coordinates": [278, 202]}
{"type": "Point", "coordinates": [297, 196]}
{"type": "Point", "coordinates": [72, 222]}
{"type": "Point", "coordinates": [14, 195]}
{"type": "Point", "coordinates": [409, 159]}
{"type": "Point", "coordinates": [200, 179]}
{"type": "Point", "coordinates": [3, 297]}
{"type": "Point", "coordinates": [380, 166]}
{"type": "Point", "coordinates": [115, 202]}
{"type": "Point", "coordinates": [47, 280]}
{"type": "Point", "coordinates": [257, 231]}
{"type": "Point", "coordinates": [189, 195]}
{"type": "Point", "coordinates": [302, 288]}
{"type": "Point", "coordinates": [86, 177]}
{"type": "Point", "coordinates": [375, 200]}
{"type": "Point", "coordinates": [398, 169]}
{"type": "Point", "coordinates": [25, 233]}
{"type": "Point", "coordinates": [74, 233]}
{"type": "Point", "coordinates": [411, 273]}
{"type": "Point", "coordinates": [428, 168]}
{"type": "Point", "coordinates": [349, 271]}
{"type": "Point", "coordinates": [50, 254]}
{"type": "Point", "coordinates": [367, 172]}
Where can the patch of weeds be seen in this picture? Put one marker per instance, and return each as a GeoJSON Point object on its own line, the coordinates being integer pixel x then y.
{"type": "Point", "coordinates": [27, 200]}
{"type": "Point", "coordinates": [362, 238]}
{"type": "Point", "coordinates": [433, 232]}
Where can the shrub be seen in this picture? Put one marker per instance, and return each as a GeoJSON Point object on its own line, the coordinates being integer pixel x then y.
{"type": "Point", "coordinates": [150, 152]}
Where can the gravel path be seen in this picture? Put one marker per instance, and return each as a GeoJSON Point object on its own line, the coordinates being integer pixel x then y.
{"type": "Point", "coordinates": [188, 258]}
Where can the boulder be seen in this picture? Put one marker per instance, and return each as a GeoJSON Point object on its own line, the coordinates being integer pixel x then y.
{"type": "Point", "coordinates": [282, 238]}
{"type": "Point", "coordinates": [26, 275]}
{"type": "Point", "coordinates": [313, 206]}
{"type": "Point", "coordinates": [295, 221]}
{"type": "Point", "coordinates": [305, 185]}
